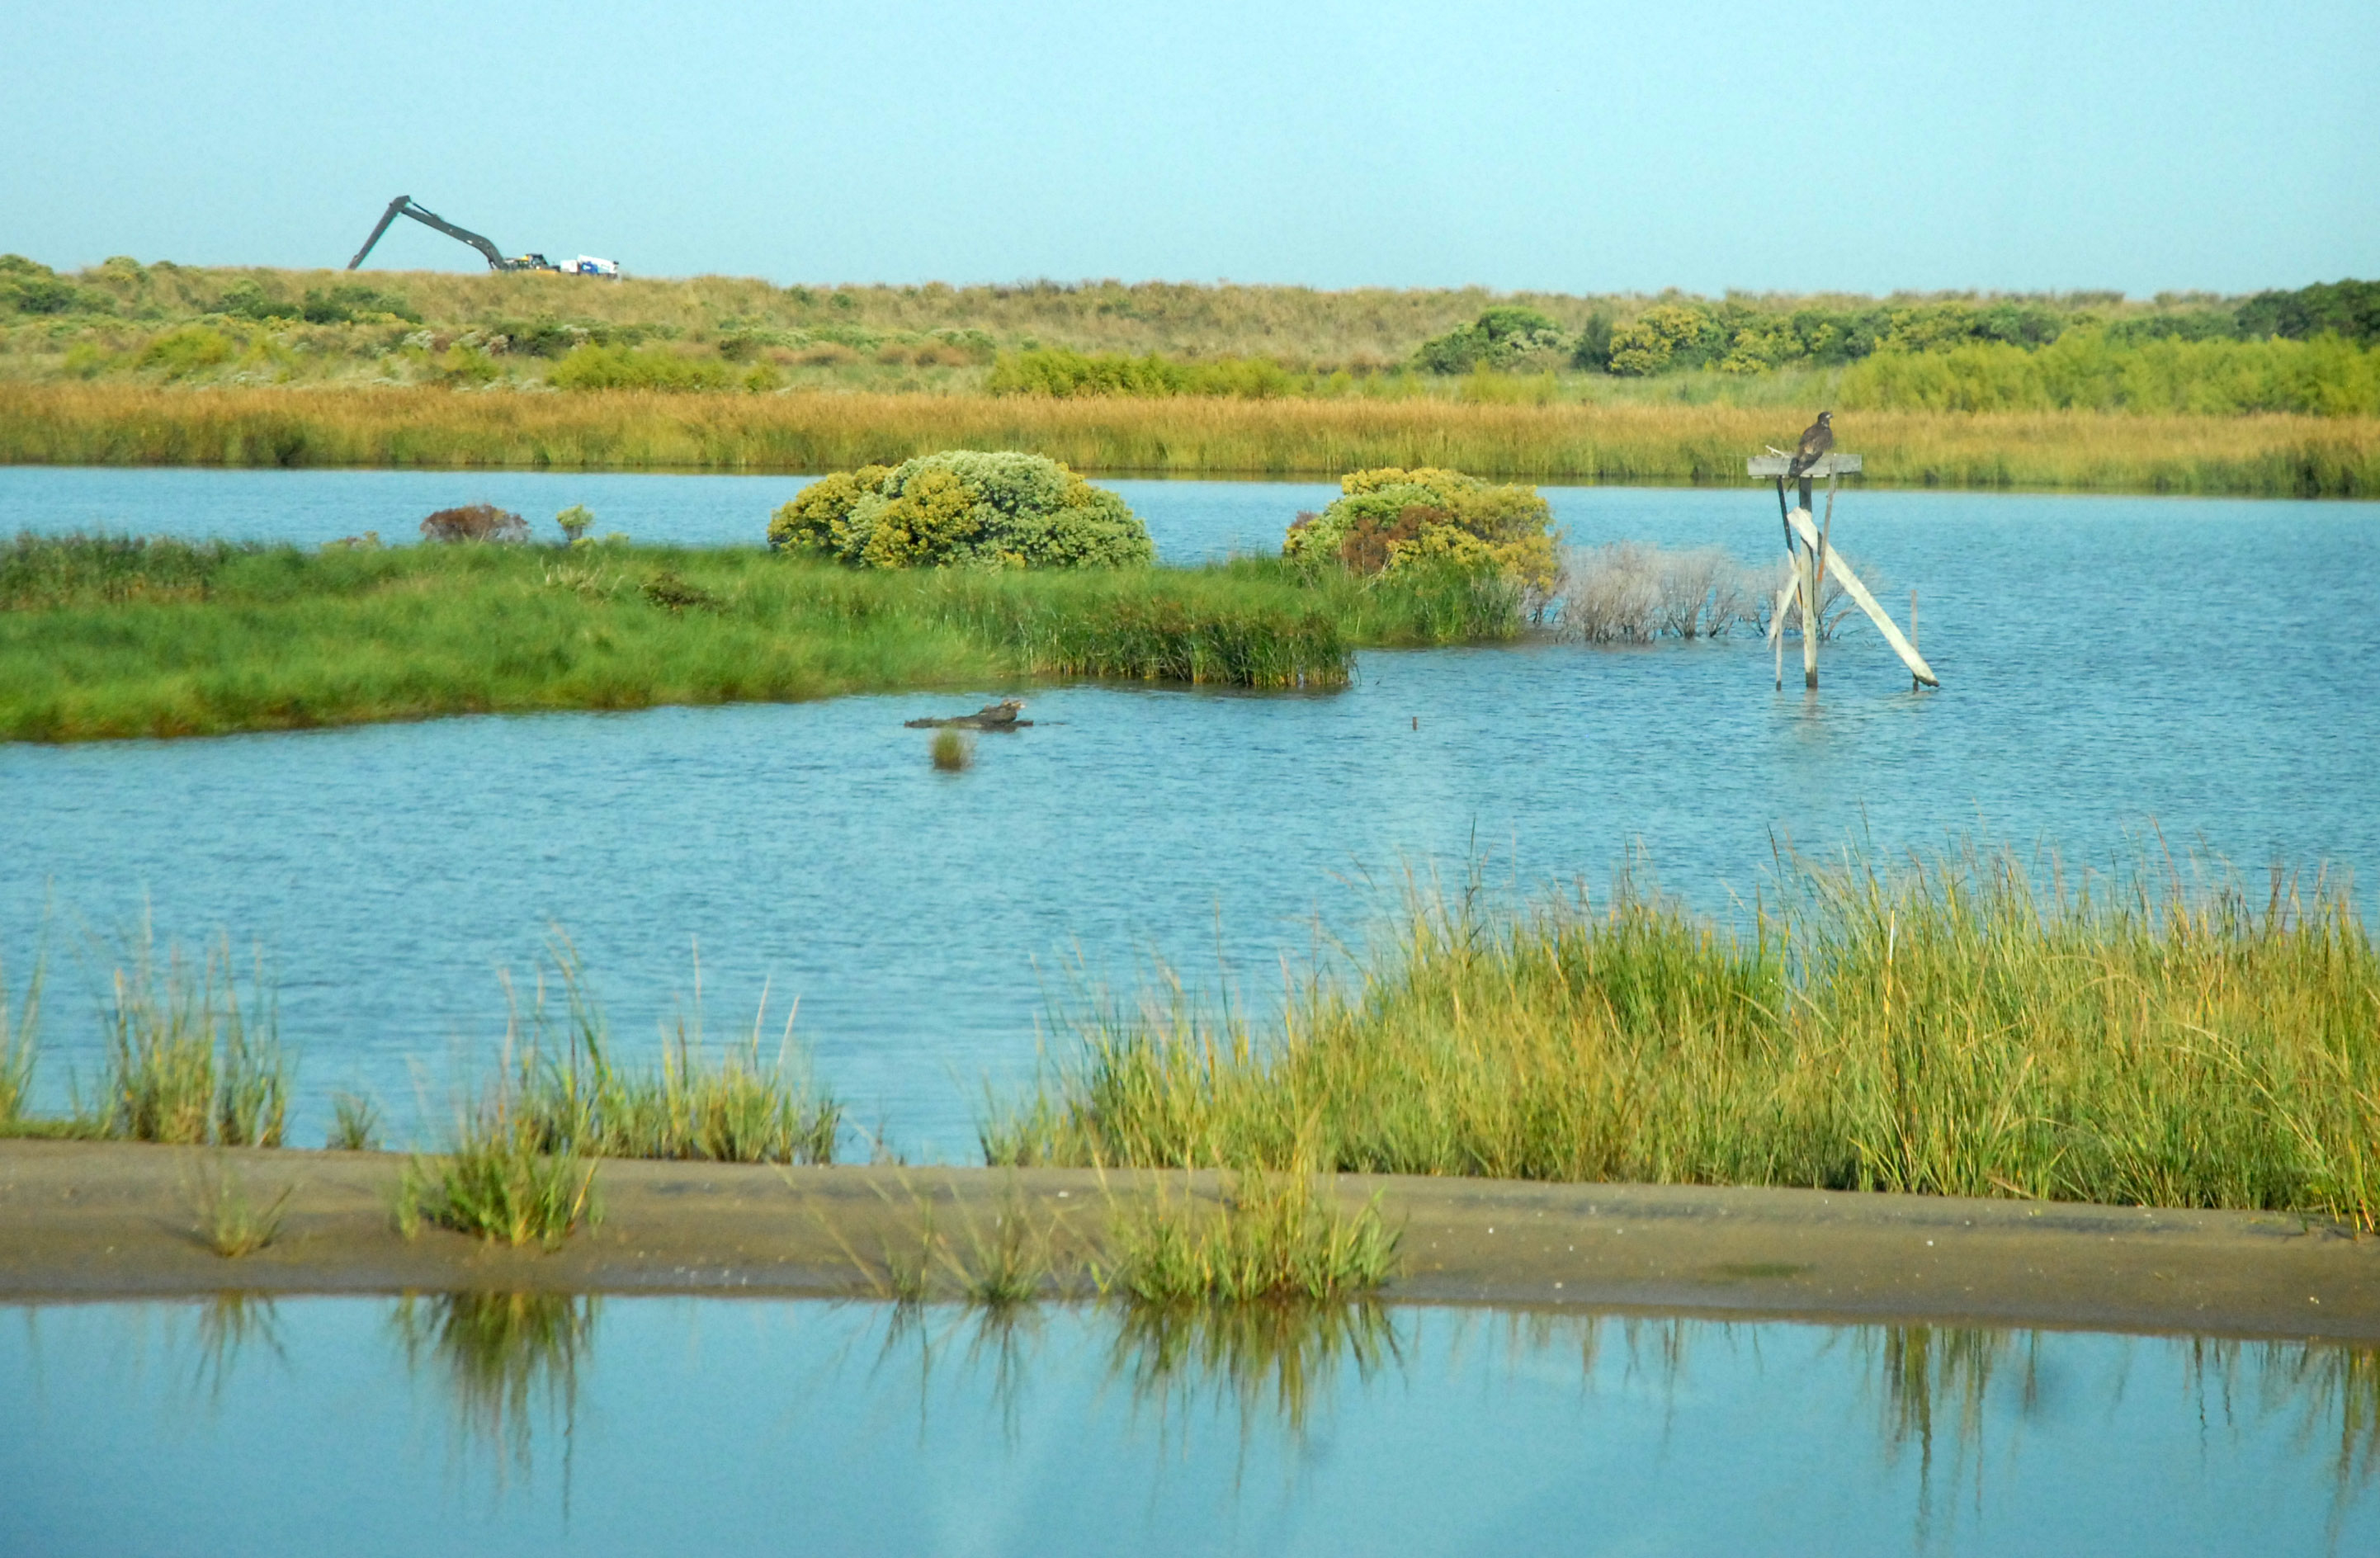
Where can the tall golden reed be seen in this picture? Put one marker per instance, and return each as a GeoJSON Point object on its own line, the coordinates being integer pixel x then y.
{"type": "Point", "coordinates": [129, 424]}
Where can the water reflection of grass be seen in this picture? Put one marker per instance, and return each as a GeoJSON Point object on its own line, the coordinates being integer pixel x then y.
{"type": "Point", "coordinates": [1270, 1362]}
{"type": "Point", "coordinates": [231, 1325]}
{"type": "Point", "coordinates": [1952, 1026]}
{"type": "Point", "coordinates": [505, 1359]}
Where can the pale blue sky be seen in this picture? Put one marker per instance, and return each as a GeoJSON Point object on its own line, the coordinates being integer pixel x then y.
{"type": "Point", "coordinates": [1583, 147]}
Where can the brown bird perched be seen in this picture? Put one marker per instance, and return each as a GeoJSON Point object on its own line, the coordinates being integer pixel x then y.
{"type": "Point", "coordinates": [1816, 439]}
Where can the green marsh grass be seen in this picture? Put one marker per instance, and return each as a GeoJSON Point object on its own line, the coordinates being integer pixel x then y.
{"type": "Point", "coordinates": [1951, 1026]}
{"type": "Point", "coordinates": [231, 1222]}
{"type": "Point", "coordinates": [1271, 1235]}
{"type": "Point", "coordinates": [740, 1104]}
{"type": "Point", "coordinates": [505, 1176]}
{"type": "Point", "coordinates": [951, 752]}
{"type": "Point", "coordinates": [942, 1249]}
{"type": "Point", "coordinates": [355, 1123]}
{"type": "Point", "coordinates": [495, 1183]}
{"type": "Point", "coordinates": [187, 1064]}
{"type": "Point", "coordinates": [19, 1047]}
{"type": "Point", "coordinates": [286, 639]}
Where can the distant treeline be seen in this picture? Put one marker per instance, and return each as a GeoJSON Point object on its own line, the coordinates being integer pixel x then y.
{"type": "Point", "coordinates": [2313, 351]}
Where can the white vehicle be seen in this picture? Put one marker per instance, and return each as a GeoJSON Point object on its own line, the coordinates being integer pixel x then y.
{"type": "Point", "coordinates": [587, 265]}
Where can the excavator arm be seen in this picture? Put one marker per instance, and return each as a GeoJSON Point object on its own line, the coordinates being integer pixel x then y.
{"type": "Point", "coordinates": [403, 206]}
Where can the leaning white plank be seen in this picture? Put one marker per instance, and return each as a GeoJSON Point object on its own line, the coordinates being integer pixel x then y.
{"type": "Point", "coordinates": [1777, 620]}
{"type": "Point", "coordinates": [1800, 517]}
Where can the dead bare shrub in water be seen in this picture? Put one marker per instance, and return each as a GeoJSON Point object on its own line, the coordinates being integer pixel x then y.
{"type": "Point", "coordinates": [1631, 594]}
{"type": "Point", "coordinates": [479, 521]}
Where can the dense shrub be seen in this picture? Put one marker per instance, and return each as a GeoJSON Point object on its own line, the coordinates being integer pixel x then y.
{"type": "Point", "coordinates": [188, 349]}
{"type": "Point", "coordinates": [2347, 308]}
{"type": "Point", "coordinates": [247, 298]}
{"type": "Point", "coordinates": [347, 304]}
{"type": "Point", "coordinates": [1665, 335]}
{"type": "Point", "coordinates": [1500, 337]}
{"type": "Point", "coordinates": [479, 521]}
{"type": "Point", "coordinates": [1387, 520]}
{"type": "Point", "coordinates": [602, 368]}
{"type": "Point", "coordinates": [26, 287]}
{"type": "Point", "coordinates": [2086, 370]}
{"type": "Point", "coordinates": [963, 508]}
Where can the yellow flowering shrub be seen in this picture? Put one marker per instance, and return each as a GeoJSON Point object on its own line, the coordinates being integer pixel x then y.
{"type": "Point", "coordinates": [1388, 519]}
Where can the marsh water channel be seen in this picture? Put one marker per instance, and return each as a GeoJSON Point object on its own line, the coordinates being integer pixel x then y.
{"type": "Point", "coordinates": [2121, 674]}
{"type": "Point", "coordinates": [501, 1425]}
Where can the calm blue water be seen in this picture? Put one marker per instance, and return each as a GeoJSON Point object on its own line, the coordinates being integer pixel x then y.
{"type": "Point", "coordinates": [2109, 666]}
{"type": "Point", "coordinates": [309, 507]}
{"type": "Point", "coordinates": [682, 1426]}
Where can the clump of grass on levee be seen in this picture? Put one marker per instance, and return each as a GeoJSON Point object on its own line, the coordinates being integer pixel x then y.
{"type": "Point", "coordinates": [505, 1177]}
{"type": "Point", "coordinates": [497, 1182]}
{"type": "Point", "coordinates": [284, 640]}
{"type": "Point", "coordinates": [1021, 1256]}
{"type": "Point", "coordinates": [230, 1223]}
{"type": "Point", "coordinates": [187, 1064]}
{"type": "Point", "coordinates": [737, 1107]}
{"type": "Point", "coordinates": [355, 1123]}
{"type": "Point", "coordinates": [1951, 1027]}
{"type": "Point", "coordinates": [952, 752]}
{"type": "Point", "coordinates": [1272, 1235]}
{"type": "Point", "coordinates": [19, 1049]}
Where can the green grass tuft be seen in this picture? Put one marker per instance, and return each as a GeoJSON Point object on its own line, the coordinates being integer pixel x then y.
{"type": "Point", "coordinates": [1273, 1235]}
{"type": "Point", "coordinates": [952, 752]}
{"type": "Point", "coordinates": [355, 1123]}
{"type": "Point", "coordinates": [494, 1184]}
{"type": "Point", "coordinates": [1951, 1027]}
{"type": "Point", "coordinates": [187, 1064]}
{"type": "Point", "coordinates": [230, 1223]}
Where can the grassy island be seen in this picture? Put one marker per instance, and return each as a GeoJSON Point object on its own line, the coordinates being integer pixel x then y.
{"type": "Point", "coordinates": [114, 636]}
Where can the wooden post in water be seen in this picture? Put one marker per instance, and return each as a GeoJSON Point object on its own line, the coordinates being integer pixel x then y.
{"type": "Point", "coordinates": [1814, 558]}
{"type": "Point", "coordinates": [1914, 683]}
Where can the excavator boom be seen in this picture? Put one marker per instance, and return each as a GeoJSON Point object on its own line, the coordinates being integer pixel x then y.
{"type": "Point", "coordinates": [403, 206]}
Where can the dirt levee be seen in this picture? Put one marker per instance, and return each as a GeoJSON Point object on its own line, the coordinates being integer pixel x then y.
{"type": "Point", "coordinates": [88, 1221]}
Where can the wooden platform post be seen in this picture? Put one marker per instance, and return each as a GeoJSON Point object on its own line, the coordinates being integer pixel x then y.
{"type": "Point", "coordinates": [1813, 559]}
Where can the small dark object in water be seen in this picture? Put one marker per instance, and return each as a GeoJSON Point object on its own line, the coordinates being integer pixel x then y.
{"type": "Point", "coordinates": [991, 716]}
{"type": "Point", "coordinates": [479, 521]}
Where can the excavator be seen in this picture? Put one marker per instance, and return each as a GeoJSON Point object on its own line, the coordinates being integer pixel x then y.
{"type": "Point", "coordinates": [404, 205]}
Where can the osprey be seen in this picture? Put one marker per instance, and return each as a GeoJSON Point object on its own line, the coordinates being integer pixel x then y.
{"type": "Point", "coordinates": [1816, 439]}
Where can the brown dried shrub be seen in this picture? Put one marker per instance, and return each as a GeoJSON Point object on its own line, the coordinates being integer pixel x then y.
{"type": "Point", "coordinates": [479, 521]}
